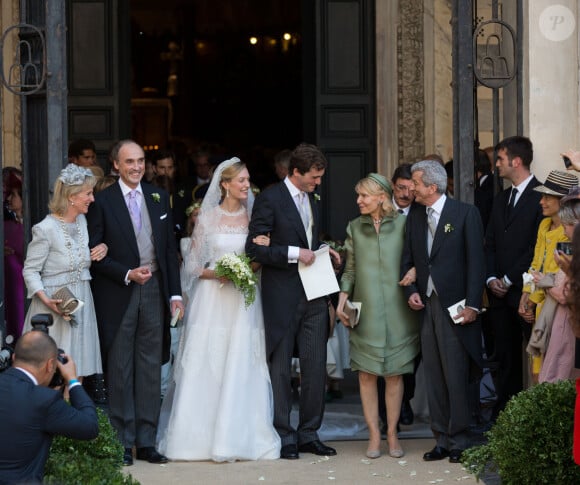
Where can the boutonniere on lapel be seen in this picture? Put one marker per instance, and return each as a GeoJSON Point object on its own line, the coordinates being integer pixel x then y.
{"type": "Point", "coordinates": [156, 197]}
{"type": "Point", "coordinates": [448, 228]}
{"type": "Point", "coordinates": [255, 190]}
{"type": "Point", "coordinates": [181, 193]}
{"type": "Point", "coordinates": [317, 197]}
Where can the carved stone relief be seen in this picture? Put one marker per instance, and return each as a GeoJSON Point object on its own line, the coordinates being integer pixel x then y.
{"type": "Point", "coordinates": [411, 99]}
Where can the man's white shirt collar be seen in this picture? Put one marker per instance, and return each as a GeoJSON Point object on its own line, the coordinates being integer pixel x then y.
{"type": "Point", "coordinates": [294, 191]}
{"type": "Point", "coordinates": [404, 209]}
{"type": "Point", "coordinates": [125, 189]}
{"type": "Point", "coordinates": [522, 186]}
{"type": "Point", "coordinates": [438, 205]}
{"type": "Point", "coordinates": [32, 378]}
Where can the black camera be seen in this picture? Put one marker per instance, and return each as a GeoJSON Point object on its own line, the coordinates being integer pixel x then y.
{"type": "Point", "coordinates": [564, 248]}
{"type": "Point", "coordinates": [40, 322]}
{"type": "Point", "coordinates": [567, 162]}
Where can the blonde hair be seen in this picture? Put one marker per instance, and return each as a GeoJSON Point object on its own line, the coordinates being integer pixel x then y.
{"type": "Point", "coordinates": [60, 199]}
{"type": "Point", "coordinates": [373, 188]}
{"type": "Point", "coordinates": [229, 173]}
{"type": "Point", "coordinates": [104, 182]}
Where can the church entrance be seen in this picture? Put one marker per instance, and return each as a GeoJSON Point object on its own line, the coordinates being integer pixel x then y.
{"type": "Point", "coordinates": [225, 75]}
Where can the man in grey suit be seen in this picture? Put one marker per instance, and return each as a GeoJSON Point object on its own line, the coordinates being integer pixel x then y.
{"type": "Point", "coordinates": [289, 213]}
{"type": "Point", "coordinates": [135, 288]}
{"type": "Point", "coordinates": [444, 242]}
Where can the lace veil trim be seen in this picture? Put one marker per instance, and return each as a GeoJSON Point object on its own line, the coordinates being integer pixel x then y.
{"type": "Point", "coordinates": [213, 219]}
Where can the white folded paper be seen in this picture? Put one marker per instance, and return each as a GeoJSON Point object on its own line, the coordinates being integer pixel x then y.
{"type": "Point", "coordinates": [318, 279]}
{"type": "Point", "coordinates": [174, 318]}
{"type": "Point", "coordinates": [528, 279]}
{"type": "Point", "coordinates": [455, 309]}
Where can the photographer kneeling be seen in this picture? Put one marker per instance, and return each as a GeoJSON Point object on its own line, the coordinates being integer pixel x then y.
{"type": "Point", "coordinates": [31, 413]}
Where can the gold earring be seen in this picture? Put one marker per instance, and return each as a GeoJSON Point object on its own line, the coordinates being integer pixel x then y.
{"type": "Point", "coordinates": [227, 193]}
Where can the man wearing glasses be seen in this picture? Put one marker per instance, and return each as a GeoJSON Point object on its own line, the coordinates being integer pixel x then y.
{"type": "Point", "coordinates": [402, 186]}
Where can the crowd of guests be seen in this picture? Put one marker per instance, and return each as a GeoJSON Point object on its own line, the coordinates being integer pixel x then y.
{"type": "Point", "coordinates": [138, 248]}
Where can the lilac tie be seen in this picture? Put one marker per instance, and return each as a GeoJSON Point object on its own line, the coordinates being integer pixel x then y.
{"type": "Point", "coordinates": [134, 210]}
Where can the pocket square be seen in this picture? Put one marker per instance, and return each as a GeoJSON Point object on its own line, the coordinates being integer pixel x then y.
{"type": "Point", "coordinates": [163, 216]}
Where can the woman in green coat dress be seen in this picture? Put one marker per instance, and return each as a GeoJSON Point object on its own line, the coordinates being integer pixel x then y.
{"type": "Point", "coordinates": [386, 340]}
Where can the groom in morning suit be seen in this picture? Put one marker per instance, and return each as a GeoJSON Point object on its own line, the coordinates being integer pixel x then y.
{"type": "Point", "coordinates": [444, 242]}
{"type": "Point", "coordinates": [289, 213]}
{"type": "Point", "coordinates": [509, 249]}
{"type": "Point", "coordinates": [134, 289]}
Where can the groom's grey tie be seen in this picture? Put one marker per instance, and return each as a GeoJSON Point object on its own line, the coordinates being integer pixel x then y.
{"type": "Point", "coordinates": [304, 208]}
{"type": "Point", "coordinates": [432, 227]}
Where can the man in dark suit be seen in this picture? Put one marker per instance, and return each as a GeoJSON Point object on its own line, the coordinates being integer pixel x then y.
{"type": "Point", "coordinates": [444, 242]}
{"type": "Point", "coordinates": [31, 413]}
{"type": "Point", "coordinates": [289, 213]}
{"type": "Point", "coordinates": [484, 187]}
{"type": "Point", "coordinates": [509, 249]}
{"type": "Point", "coordinates": [134, 288]}
{"type": "Point", "coordinates": [180, 194]}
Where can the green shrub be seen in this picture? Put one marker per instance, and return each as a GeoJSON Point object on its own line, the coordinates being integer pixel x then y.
{"type": "Point", "coordinates": [531, 442]}
{"type": "Point", "coordinates": [94, 462]}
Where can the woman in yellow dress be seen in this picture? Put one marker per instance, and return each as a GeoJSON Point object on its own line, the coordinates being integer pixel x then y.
{"type": "Point", "coordinates": [550, 232]}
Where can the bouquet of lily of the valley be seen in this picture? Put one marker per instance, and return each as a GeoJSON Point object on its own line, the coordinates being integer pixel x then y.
{"type": "Point", "coordinates": [237, 269]}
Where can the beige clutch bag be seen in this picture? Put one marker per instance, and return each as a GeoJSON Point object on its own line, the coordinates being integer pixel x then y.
{"type": "Point", "coordinates": [352, 310]}
{"type": "Point", "coordinates": [69, 304]}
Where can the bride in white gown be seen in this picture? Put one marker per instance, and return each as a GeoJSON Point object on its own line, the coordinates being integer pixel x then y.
{"type": "Point", "coordinates": [219, 406]}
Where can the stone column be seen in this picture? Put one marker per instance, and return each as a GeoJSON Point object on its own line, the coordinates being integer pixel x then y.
{"type": "Point", "coordinates": [386, 18]}
{"type": "Point", "coordinates": [551, 98]}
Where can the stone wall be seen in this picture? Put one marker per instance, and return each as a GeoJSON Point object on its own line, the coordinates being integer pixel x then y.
{"type": "Point", "coordinates": [9, 103]}
{"type": "Point", "coordinates": [551, 101]}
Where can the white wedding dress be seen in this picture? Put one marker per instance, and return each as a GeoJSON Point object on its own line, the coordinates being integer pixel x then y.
{"type": "Point", "coordinates": [220, 406]}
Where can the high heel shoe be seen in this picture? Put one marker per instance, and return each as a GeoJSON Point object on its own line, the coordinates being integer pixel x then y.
{"type": "Point", "coordinates": [373, 453]}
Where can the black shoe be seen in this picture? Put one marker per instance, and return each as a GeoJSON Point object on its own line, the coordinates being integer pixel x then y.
{"type": "Point", "coordinates": [407, 415]}
{"type": "Point", "coordinates": [128, 457]}
{"type": "Point", "coordinates": [437, 453]}
{"type": "Point", "coordinates": [455, 456]}
{"type": "Point", "coordinates": [289, 452]}
{"type": "Point", "coordinates": [318, 448]}
{"type": "Point", "coordinates": [151, 455]}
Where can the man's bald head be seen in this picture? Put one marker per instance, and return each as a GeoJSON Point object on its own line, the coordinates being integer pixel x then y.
{"type": "Point", "coordinates": [34, 348]}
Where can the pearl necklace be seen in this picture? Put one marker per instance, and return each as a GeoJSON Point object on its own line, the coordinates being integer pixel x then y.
{"type": "Point", "coordinates": [377, 221]}
{"type": "Point", "coordinates": [76, 274]}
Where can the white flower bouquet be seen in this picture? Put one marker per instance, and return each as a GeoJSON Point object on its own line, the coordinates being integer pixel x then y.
{"type": "Point", "coordinates": [237, 269]}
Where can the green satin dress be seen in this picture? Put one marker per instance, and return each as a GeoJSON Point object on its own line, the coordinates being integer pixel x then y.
{"type": "Point", "coordinates": [386, 340]}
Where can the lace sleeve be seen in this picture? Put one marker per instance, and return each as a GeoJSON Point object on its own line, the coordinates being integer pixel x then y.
{"type": "Point", "coordinates": [197, 256]}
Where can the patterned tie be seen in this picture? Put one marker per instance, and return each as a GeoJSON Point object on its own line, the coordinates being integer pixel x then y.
{"type": "Point", "coordinates": [512, 202]}
{"type": "Point", "coordinates": [432, 224]}
{"type": "Point", "coordinates": [134, 210]}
